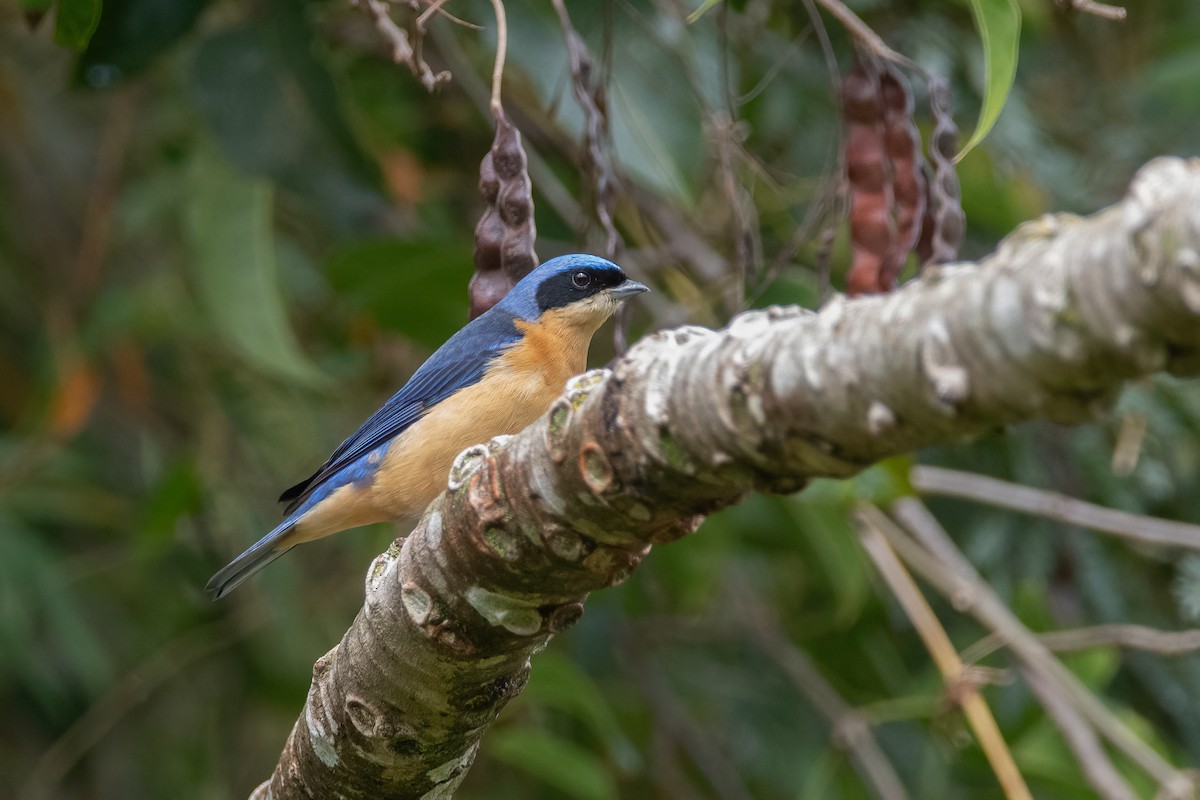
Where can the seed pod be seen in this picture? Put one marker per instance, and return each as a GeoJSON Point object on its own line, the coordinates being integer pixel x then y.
{"type": "Point", "coordinates": [872, 230]}
{"type": "Point", "coordinates": [505, 234]}
{"type": "Point", "coordinates": [944, 223]}
{"type": "Point", "coordinates": [902, 143]}
{"type": "Point", "coordinates": [597, 161]}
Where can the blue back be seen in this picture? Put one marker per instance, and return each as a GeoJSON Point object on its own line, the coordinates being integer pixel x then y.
{"type": "Point", "coordinates": [458, 363]}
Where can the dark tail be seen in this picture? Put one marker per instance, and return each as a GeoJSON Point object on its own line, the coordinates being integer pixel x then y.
{"type": "Point", "coordinates": [263, 552]}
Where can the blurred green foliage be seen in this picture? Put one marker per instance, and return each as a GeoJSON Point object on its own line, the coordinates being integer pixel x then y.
{"type": "Point", "coordinates": [228, 231]}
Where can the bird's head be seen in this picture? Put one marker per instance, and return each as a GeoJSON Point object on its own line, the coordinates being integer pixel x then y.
{"type": "Point", "coordinates": [580, 290]}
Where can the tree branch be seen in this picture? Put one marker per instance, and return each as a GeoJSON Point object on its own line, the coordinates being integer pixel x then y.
{"type": "Point", "coordinates": [1052, 325]}
{"type": "Point", "coordinates": [1132, 637]}
{"type": "Point", "coordinates": [1058, 507]}
{"type": "Point", "coordinates": [958, 686]}
{"type": "Point", "coordinates": [940, 562]}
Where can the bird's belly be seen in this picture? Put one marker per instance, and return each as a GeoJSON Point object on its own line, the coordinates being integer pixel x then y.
{"type": "Point", "coordinates": [418, 462]}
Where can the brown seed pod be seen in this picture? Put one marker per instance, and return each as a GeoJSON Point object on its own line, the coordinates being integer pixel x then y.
{"type": "Point", "coordinates": [505, 234]}
{"type": "Point", "coordinates": [872, 230]}
{"type": "Point", "coordinates": [902, 143]}
{"type": "Point", "coordinates": [597, 162]}
{"type": "Point", "coordinates": [944, 223]}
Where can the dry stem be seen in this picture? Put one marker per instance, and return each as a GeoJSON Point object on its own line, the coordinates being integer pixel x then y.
{"type": "Point", "coordinates": [944, 654]}
{"type": "Point", "coordinates": [1059, 507]}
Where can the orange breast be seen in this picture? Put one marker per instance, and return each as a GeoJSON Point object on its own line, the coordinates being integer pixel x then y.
{"type": "Point", "coordinates": [517, 389]}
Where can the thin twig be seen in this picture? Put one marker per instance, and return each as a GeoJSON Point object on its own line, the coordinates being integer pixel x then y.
{"type": "Point", "coordinates": [866, 38]}
{"type": "Point", "coordinates": [1114, 13]}
{"type": "Point", "coordinates": [1097, 768]}
{"type": "Point", "coordinates": [501, 53]}
{"type": "Point", "coordinates": [397, 38]}
{"type": "Point", "coordinates": [1130, 439]}
{"type": "Point", "coordinates": [941, 563]}
{"type": "Point", "coordinates": [435, 7]}
{"type": "Point", "coordinates": [549, 187]}
{"type": "Point", "coordinates": [1059, 507]}
{"type": "Point", "coordinates": [1134, 637]}
{"type": "Point", "coordinates": [944, 654]}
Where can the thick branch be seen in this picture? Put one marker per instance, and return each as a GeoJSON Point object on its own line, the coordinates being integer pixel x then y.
{"type": "Point", "coordinates": [1052, 325]}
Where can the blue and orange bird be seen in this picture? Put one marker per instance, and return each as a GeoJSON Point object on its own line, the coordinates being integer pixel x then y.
{"type": "Point", "coordinates": [496, 375]}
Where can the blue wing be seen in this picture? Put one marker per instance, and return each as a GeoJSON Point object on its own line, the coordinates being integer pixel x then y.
{"type": "Point", "coordinates": [459, 363]}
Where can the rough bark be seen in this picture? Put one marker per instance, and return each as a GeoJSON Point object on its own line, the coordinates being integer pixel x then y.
{"type": "Point", "coordinates": [1050, 326]}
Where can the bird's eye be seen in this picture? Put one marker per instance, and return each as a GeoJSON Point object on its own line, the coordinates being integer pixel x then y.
{"type": "Point", "coordinates": [581, 280]}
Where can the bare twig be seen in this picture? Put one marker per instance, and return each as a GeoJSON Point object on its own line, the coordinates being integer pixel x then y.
{"type": "Point", "coordinates": [1114, 13]}
{"type": "Point", "coordinates": [867, 39]}
{"type": "Point", "coordinates": [549, 187]}
{"type": "Point", "coordinates": [942, 564]}
{"type": "Point", "coordinates": [1097, 768]}
{"type": "Point", "coordinates": [944, 654]}
{"type": "Point", "coordinates": [436, 7]}
{"type": "Point", "coordinates": [1137, 527]}
{"type": "Point", "coordinates": [1130, 439]}
{"type": "Point", "coordinates": [501, 54]}
{"type": "Point", "coordinates": [1134, 637]}
{"type": "Point", "coordinates": [403, 51]}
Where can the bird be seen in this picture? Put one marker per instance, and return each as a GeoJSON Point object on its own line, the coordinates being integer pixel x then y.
{"type": "Point", "coordinates": [496, 375]}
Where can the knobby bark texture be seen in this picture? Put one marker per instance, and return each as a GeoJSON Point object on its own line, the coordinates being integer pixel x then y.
{"type": "Point", "coordinates": [1050, 326]}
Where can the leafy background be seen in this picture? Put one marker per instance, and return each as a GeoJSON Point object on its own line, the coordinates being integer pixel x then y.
{"type": "Point", "coordinates": [229, 230]}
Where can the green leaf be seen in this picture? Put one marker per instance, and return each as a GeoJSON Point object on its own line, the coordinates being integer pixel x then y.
{"type": "Point", "coordinates": [76, 21]}
{"type": "Point", "coordinates": [999, 24]}
{"type": "Point", "coordinates": [562, 764]}
{"type": "Point", "coordinates": [228, 229]}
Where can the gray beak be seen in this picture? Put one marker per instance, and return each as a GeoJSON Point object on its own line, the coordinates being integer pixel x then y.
{"type": "Point", "coordinates": [628, 289]}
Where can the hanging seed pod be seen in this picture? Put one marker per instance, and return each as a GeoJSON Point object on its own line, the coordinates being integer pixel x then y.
{"type": "Point", "coordinates": [902, 143]}
{"type": "Point", "coordinates": [872, 230]}
{"type": "Point", "coordinates": [597, 158]}
{"type": "Point", "coordinates": [944, 223]}
{"type": "Point", "coordinates": [597, 162]}
{"type": "Point", "coordinates": [505, 234]}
